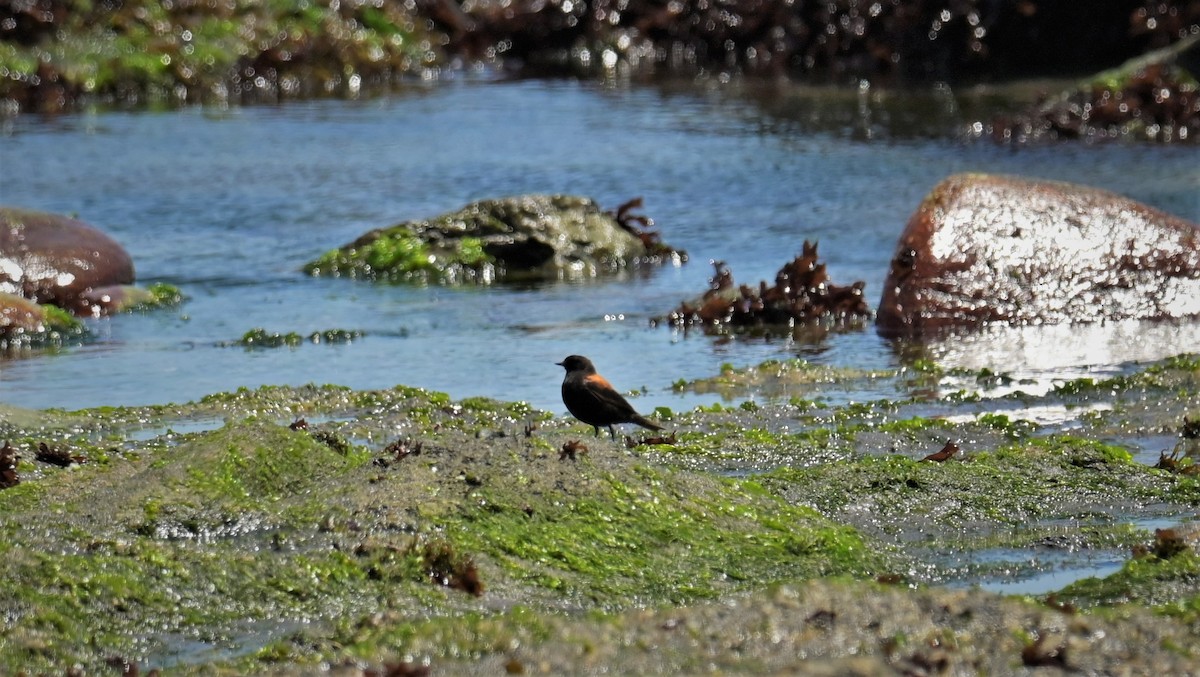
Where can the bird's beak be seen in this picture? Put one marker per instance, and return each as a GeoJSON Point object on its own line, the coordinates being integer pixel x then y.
{"type": "Point", "coordinates": [559, 363]}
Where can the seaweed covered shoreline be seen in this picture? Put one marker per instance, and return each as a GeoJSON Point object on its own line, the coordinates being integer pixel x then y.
{"type": "Point", "coordinates": [298, 530]}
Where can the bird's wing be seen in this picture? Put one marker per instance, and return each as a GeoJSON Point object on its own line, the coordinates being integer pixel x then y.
{"type": "Point", "coordinates": [599, 388]}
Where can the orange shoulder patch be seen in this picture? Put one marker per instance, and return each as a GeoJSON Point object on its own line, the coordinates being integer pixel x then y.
{"type": "Point", "coordinates": [598, 380]}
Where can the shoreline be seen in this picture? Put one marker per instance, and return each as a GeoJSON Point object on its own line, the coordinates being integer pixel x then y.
{"type": "Point", "coordinates": [803, 528]}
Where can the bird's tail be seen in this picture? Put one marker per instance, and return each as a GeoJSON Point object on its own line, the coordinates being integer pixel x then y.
{"type": "Point", "coordinates": [645, 422]}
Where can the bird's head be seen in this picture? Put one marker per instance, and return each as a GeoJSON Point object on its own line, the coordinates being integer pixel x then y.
{"type": "Point", "coordinates": [577, 363]}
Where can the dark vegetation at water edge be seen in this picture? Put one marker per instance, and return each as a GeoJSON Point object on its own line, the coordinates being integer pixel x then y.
{"type": "Point", "coordinates": [802, 293]}
{"type": "Point", "coordinates": [56, 54]}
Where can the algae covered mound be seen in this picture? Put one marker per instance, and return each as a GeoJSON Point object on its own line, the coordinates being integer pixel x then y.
{"type": "Point", "coordinates": [280, 529]}
{"type": "Point", "coordinates": [516, 238]}
{"type": "Point", "coordinates": [223, 538]}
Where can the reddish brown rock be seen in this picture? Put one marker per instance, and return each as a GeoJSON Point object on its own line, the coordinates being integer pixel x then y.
{"type": "Point", "coordinates": [19, 315]}
{"type": "Point", "coordinates": [983, 249]}
{"type": "Point", "coordinates": [116, 298]}
{"type": "Point", "coordinates": [54, 259]}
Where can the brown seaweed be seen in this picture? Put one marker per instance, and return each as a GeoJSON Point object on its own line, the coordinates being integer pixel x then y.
{"type": "Point", "coordinates": [570, 449]}
{"type": "Point", "coordinates": [1190, 430]}
{"type": "Point", "coordinates": [8, 466]}
{"type": "Point", "coordinates": [438, 561]}
{"type": "Point", "coordinates": [448, 568]}
{"type": "Point", "coordinates": [1045, 653]}
{"type": "Point", "coordinates": [639, 226]}
{"type": "Point", "coordinates": [1158, 103]}
{"type": "Point", "coordinates": [1168, 543]}
{"type": "Point", "coordinates": [398, 451]}
{"type": "Point", "coordinates": [55, 456]}
{"type": "Point", "coordinates": [944, 455]}
{"type": "Point", "coordinates": [1177, 462]}
{"type": "Point", "coordinates": [801, 293]}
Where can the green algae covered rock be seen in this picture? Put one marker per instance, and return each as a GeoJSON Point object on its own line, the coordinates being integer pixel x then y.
{"type": "Point", "coordinates": [529, 237]}
{"type": "Point", "coordinates": [25, 322]}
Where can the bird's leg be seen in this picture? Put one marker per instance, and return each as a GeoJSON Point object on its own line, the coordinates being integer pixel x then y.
{"type": "Point", "coordinates": [612, 433]}
{"type": "Point", "coordinates": [595, 431]}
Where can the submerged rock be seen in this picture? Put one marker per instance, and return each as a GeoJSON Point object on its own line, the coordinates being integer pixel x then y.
{"type": "Point", "coordinates": [55, 259]}
{"type": "Point", "coordinates": [25, 322]}
{"type": "Point", "coordinates": [124, 297]}
{"type": "Point", "coordinates": [522, 237]}
{"type": "Point", "coordinates": [19, 315]}
{"type": "Point", "coordinates": [997, 249]}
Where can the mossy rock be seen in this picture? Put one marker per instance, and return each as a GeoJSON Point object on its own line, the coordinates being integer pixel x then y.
{"type": "Point", "coordinates": [26, 323]}
{"type": "Point", "coordinates": [529, 237]}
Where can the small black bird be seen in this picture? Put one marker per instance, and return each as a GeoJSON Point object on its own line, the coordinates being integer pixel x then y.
{"type": "Point", "coordinates": [592, 399]}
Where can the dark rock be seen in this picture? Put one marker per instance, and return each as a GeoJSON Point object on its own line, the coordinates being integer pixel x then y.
{"type": "Point", "coordinates": [1153, 98]}
{"type": "Point", "coordinates": [983, 249]}
{"type": "Point", "coordinates": [523, 237]}
{"type": "Point", "coordinates": [54, 259]}
{"type": "Point", "coordinates": [918, 39]}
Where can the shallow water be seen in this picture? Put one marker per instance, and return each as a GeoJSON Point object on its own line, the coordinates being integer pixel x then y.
{"type": "Point", "coordinates": [227, 204]}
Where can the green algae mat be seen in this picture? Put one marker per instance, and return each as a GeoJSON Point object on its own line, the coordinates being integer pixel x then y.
{"type": "Point", "coordinates": [290, 530]}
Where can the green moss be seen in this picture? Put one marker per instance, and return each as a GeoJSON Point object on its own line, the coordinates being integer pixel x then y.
{"type": "Point", "coordinates": [925, 366]}
{"type": "Point", "coordinates": [399, 254]}
{"type": "Point", "coordinates": [1018, 486]}
{"type": "Point", "coordinates": [1172, 585]}
{"type": "Point", "coordinates": [1082, 452]}
{"type": "Point", "coordinates": [274, 397]}
{"type": "Point", "coordinates": [1078, 386]}
{"type": "Point", "coordinates": [1179, 370]}
{"type": "Point", "coordinates": [496, 407]}
{"type": "Point", "coordinates": [161, 295]}
{"type": "Point", "coordinates": [260, 462]}
{"type": "Point", "coordinates": [158, 51]}
{"type": "Point", "coordinates": [912, 425]}
{"type": "Point", "coordinates": [657, 536]}
{"type": "Point", "coordinates": [472, 254]}
{"type": "Point", "coordinates": [468, 636]}
{"type": "Point", "coordinates": [58, 319]}
{"type": "Point", "coordinates": [1184, 362]}
{"type": "Point", "coordinates": [23, 496]}
{"type": "Point", "coordinates": [261, 338]}
{"type": "Point", "coordinates": [57, 327]}
{"type": "Point", "coordinates": [759, 436]}
{"type": "Point", "coordinates": [1012, 429]}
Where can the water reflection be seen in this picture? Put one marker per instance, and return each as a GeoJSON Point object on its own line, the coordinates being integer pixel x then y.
{"type": "Point", "coordinates": [1037, 358]}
